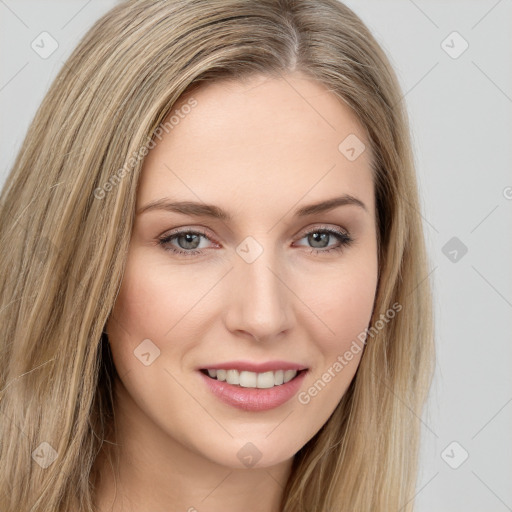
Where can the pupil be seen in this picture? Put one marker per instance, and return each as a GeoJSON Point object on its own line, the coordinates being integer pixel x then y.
{"type": "Point", "coordinates": [318, 236]}
{"type": "Point", "coordinates": [188, 237]}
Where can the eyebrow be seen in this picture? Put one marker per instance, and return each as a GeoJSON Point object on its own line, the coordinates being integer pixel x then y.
{"type": "Point", "coordinates": [210, 210]}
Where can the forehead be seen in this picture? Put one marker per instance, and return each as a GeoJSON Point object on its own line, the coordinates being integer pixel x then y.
{"type": "Point", "coordinates": [261, 141]}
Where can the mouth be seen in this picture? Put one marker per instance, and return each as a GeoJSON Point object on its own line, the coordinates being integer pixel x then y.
{"type": "Point", "coordinates": [254, 380]}
{"type": "Point", "coordinates": [253, 391]}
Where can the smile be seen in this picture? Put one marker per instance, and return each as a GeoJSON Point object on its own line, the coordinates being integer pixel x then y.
{"type": "Point", "coordinates": [247, 379]}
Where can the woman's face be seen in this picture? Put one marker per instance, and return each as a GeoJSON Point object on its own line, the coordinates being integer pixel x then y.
{"type": "Point", "coordinates": [248, 276]}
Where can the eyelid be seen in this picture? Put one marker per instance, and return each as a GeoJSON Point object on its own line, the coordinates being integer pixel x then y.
{"type": "Point", "coordinates": [325, 227]}
{"type": "Point", "coordinates": [187, 229]}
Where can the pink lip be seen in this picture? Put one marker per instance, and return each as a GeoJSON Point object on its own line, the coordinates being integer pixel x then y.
{"type": "Point", "coordinates": [253, 399]}
{"type": "Point", "coordinates": [269, 366]}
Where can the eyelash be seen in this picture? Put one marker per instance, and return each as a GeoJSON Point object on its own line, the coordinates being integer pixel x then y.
{"type": "Point", "coordinates": [343, 238]}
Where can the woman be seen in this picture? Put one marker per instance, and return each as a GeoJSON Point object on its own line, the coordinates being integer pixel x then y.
{"type": "Point", "coordinates": [213, 292]}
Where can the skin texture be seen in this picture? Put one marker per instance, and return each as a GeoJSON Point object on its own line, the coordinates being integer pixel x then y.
{"type": "Point", "coordinates": [259, 150]}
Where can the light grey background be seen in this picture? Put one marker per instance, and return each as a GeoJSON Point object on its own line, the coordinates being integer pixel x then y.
{"type": "Point", "coordinates": [461, 120]}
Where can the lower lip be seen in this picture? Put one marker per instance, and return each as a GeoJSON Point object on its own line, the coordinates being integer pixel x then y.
{"type": "Point", "coordinates": [254, 399]}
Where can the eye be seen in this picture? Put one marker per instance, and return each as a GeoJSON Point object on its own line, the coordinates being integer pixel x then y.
{"type": "Point", "coordinates": [188, 242]}
{"type": "Point", "coordinates": [319, 239]}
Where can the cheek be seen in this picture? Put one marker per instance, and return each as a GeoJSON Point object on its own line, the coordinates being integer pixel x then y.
{"type": "Point", "coordinates": [344, 302]}
{"type": "Point", "coordinates": [344, 306]}
{"type": "Point", "coordinates": [154, 299]}
{"type": "Point", "coordinates": [350, 305]}
{"type": "Point", "coordinates": [166, 304]}
{"type": "Point", "coordinates": [140, 312]}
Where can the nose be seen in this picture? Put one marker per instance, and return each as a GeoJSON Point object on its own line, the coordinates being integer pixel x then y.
{"type": "Point", "coordinates": [259, 303]}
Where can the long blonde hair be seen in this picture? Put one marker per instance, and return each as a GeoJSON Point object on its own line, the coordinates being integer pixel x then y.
{"type": "Point", "coordinates": [63, 247]}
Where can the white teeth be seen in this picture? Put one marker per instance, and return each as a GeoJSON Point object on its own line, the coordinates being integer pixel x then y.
{"type": "Point", "coordinates": [247, 379]}
{"type": "Point", "coordinates": [289, 374]}
{"type": "Point", "coordinates": [232, 377]}
{"type": "Point", "coordinates": [265, 380]}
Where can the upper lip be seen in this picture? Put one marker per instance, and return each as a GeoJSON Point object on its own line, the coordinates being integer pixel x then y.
{"type": "Point", "coordinates": [268, 366]}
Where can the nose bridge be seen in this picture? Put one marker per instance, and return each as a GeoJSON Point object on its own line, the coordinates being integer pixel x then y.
{"type": "Point", "coordinates": [260, 301]}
